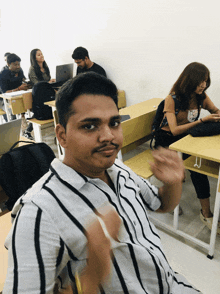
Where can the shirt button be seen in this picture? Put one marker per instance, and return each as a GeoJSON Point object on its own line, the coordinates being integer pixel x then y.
{"type": "Point", "coordinates": [151, 248]}
{"type": "Point", "coordinates": [134, 223]}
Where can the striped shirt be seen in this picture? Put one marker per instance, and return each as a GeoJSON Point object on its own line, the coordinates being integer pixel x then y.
{"type": "Point", "coordinates": [47, 242]}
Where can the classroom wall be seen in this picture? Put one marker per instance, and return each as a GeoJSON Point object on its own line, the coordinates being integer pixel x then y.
{"type": "Point", "coordinates": [143, 45]}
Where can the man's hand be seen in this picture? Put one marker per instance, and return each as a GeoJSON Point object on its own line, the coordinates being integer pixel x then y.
{"type": "Point", "coordinates": [99, 250]}
{"type": "Point", "coordinates": [167, 166]}
{"type": "Point", "coordinates": [23, 86]}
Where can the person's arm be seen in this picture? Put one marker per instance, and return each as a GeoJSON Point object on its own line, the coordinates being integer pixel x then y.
{"type": "Point", "coordinates": [169, 169]}
{"type": "Point", "coordinates": [210, 106]}
{"type": "Point", "coordinates": [32, 250]}
{"type": "Point", "coordinates": [23, 86]}
{"type": "Point", "coordinates": [99, 252]}
{"type": "Point", "coordinates": [181, 129]}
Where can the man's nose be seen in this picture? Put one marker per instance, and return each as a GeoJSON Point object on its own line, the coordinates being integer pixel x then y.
{"type": "Point", "coordinates": [106, 134]}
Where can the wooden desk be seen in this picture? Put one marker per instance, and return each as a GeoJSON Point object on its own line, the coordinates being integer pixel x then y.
{"type": "Point", "coordinates": [5, 226]}
{"type": "Point", "coordinates": [141, 108]}
{"type": "Point", "coordinates": [18, 104]}
{"type": "Point", "coordinates": [207, 148]}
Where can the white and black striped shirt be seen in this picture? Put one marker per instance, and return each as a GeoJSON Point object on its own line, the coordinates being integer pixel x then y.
{"type": "Point", "coordinates": [47, 242]}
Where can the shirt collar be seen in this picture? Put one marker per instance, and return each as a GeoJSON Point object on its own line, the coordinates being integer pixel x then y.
{"type": "Point", "coordinates": [76, 179]}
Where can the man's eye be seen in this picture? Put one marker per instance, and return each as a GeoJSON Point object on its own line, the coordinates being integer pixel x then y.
{"type": "Point", "coordinates": [115, 123]}
{"type": "Point", "coordinates": [89, 127]}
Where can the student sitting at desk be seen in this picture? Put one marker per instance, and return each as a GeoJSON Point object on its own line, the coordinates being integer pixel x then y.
{"type": "Point", "coordinates": [84, 64]}
{"type": "Point", "coordinates": [190, 89]}
{"type": "Point", "coordinates": [12, 80]}
{"type": "Point", "coordinates": [39, 71]}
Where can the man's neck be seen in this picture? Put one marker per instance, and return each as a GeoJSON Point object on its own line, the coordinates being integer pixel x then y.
{"type": "Point", "coordinates": [90, 64]}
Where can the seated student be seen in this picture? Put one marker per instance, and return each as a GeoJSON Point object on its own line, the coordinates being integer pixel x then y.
{"type": "Point", "coordinates": [190, 89]}
{"type": "Point", "coordinates": [39, 71]}
{"type": "Point", "coordinates": [49, 239]}
{"type": "Point", "coordinates": [12, 80]}
{"type": "Point", "coordinates": [84, 64]}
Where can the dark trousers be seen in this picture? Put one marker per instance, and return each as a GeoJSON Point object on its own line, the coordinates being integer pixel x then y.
{"type": "Point", "coordinates": [200, 181]}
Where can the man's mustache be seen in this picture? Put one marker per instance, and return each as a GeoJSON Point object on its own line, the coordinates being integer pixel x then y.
{"type": "Point", "coordinates": [97, 149]}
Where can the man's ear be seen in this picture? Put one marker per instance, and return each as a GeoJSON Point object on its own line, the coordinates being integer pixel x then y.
{"type": "Point", "coordinates": [61, 135]}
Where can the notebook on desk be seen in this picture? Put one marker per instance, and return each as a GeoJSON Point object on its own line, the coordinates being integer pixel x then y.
{"type": "Point", "coordinates": [63, 73]}
{"type": "Point", "coordinates": [9, 134]}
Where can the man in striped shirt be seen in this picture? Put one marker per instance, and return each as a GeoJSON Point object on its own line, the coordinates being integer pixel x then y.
{"type": "Point", "coordinates": [50, 241]}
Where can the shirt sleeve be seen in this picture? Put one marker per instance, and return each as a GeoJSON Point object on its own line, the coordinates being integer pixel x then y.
{"type": "Point", "coordinates": [34, 247]}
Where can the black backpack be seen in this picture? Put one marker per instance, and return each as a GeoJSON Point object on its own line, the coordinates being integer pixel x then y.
{"type": "Point", "coordinates": [159, 122]}
{"type": "Point", "coordinates": [42, 92]}
{"type": "Point", "coordinates": [21, 167]}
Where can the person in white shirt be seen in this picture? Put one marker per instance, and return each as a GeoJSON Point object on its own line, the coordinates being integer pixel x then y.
{"type": "Point", "coordinates": [51, 241]}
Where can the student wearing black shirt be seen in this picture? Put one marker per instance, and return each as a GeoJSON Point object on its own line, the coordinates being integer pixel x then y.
{"type": "Point", "coordinates": [84, 64]}
{"type": "Point", "coordinates": [12, 80]}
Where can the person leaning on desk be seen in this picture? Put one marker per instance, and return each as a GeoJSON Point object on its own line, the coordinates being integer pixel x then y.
{"type": "Point", "coordinates": [13, 80]}
{"type": "Point", "coordinates": [39, 70]}
{"type": "Point", "coordinates": [190, 89]}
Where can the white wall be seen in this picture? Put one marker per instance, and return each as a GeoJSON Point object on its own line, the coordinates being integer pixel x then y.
{"type": "Point", "coordinates": [143, 45]}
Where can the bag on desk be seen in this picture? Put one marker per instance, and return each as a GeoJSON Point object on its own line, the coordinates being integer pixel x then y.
{"type": "Point", "coordinates": [21, 167]}
{"type": "Point", "coordinates": [205, 129]}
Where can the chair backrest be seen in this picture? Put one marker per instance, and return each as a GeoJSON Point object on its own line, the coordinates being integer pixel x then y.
{"type": "Point", "coordinates": [121, 99]}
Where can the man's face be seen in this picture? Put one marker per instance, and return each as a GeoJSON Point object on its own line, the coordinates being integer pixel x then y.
{"type": "Point", "coordinates": [93, 135]}
{"type": "Point", "coordinates": [81, 63]}
{"type": "Point", "coordinates": [14, 66]}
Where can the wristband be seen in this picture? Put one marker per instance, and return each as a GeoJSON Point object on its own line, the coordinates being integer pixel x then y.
{"type": "Point", "coordinates": [202, 121]}
{"type": "Point", "coordinates": [78, 284]}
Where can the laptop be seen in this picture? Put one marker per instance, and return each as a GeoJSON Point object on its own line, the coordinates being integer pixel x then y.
{"type": "Point", "coordinates": [63, 73]}
{"type": "Point", "coordinates": [9, 134]}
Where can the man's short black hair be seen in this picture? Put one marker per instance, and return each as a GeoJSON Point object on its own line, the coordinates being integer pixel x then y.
{"type": "Point", "coordinates": [13, 58]}
{"type": "Point", "coordinates": [80, 53]}
{"type": "Point", "coordinates": [6, 54]}
{"type": "Point", "coordinates": [89, 83]}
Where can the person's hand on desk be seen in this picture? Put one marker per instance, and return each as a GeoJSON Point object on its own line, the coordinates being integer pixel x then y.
{"type": "Point", "coordinates": [23, 86]}
{"type": "Point", "coordinates": [214, 117]}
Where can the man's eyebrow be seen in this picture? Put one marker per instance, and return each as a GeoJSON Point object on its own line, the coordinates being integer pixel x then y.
{"type": "Point", "coordinates": [94, 119]}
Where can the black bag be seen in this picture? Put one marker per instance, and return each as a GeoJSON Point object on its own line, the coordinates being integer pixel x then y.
{"type": "Point", "coordinates": [42, 92]}
{"type": "Point", "coordinates": [157, 122]}
{"type": "Point", "coordinates": [21, 167]}
{"type": "Point", "coordinates": [205, 129]}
